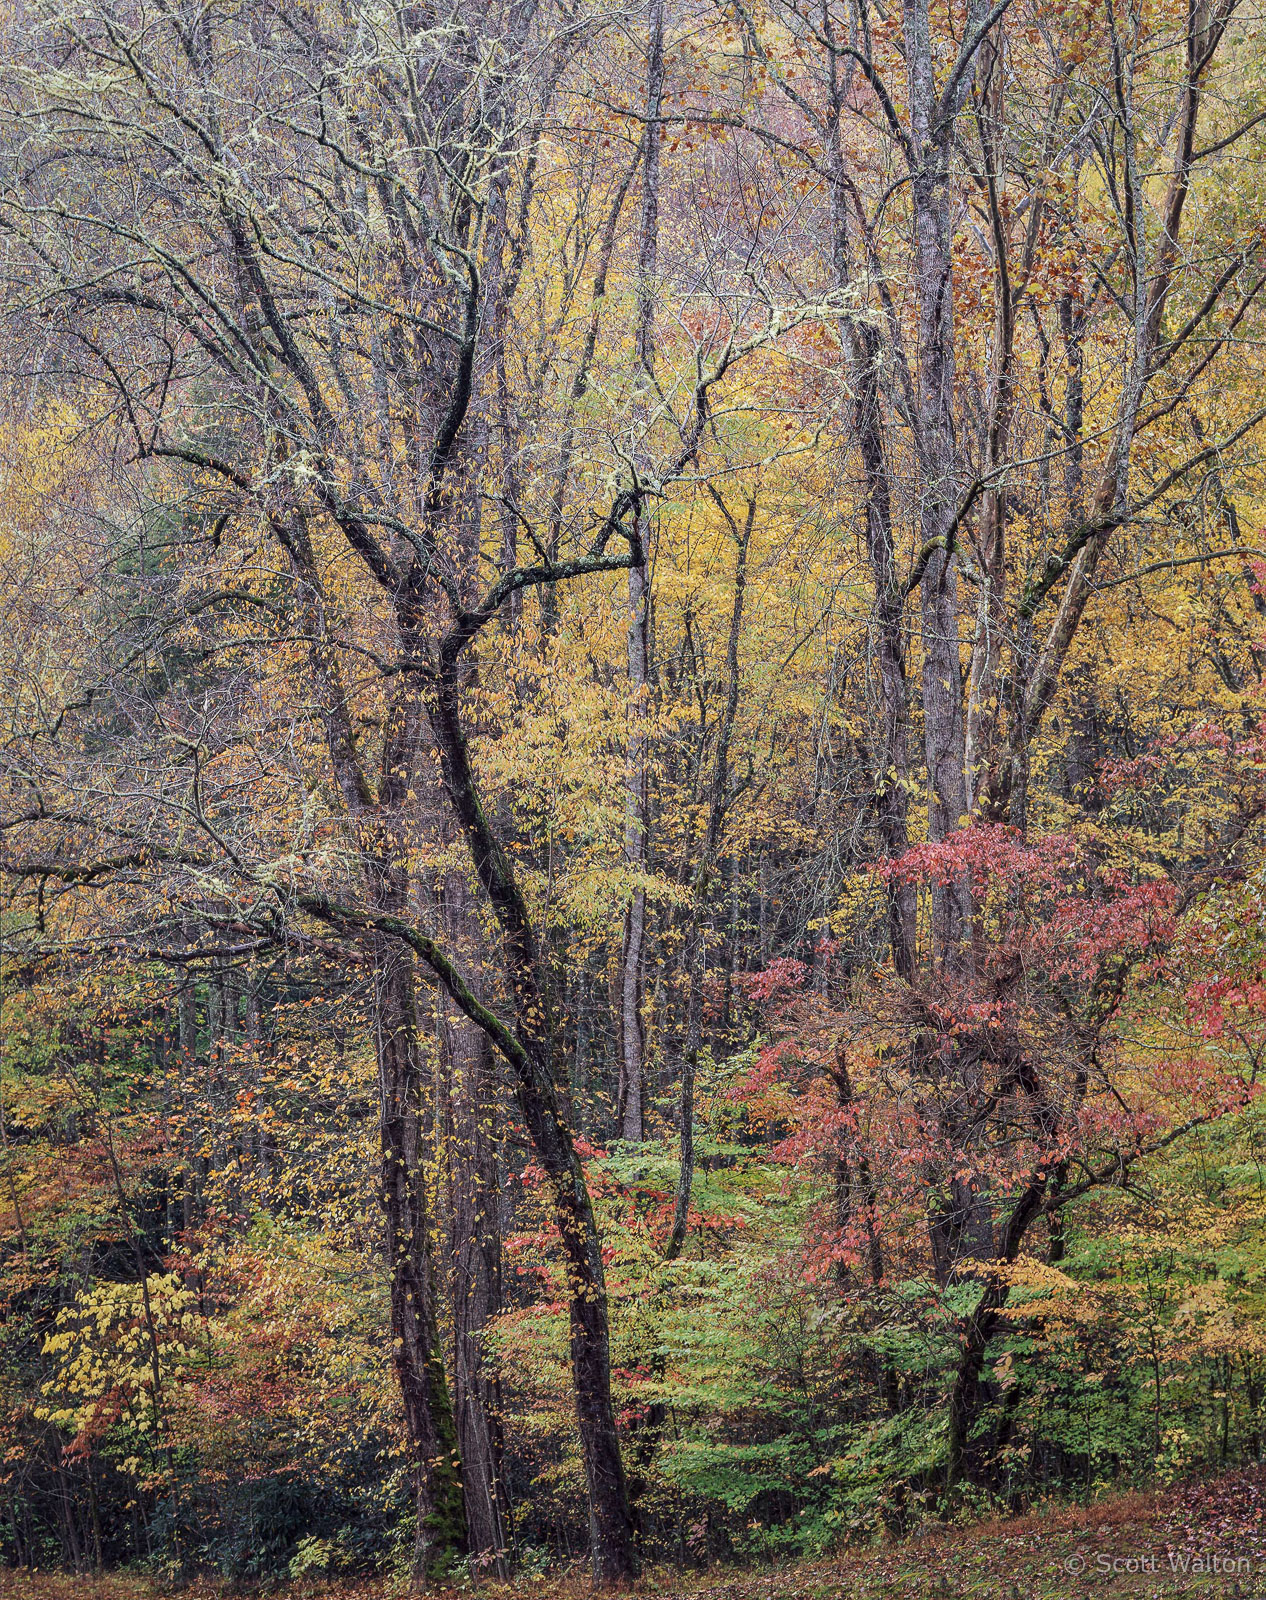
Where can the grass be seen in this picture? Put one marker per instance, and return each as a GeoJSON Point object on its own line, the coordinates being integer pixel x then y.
{"type": "Point", "coordinates": [1202, 1538]}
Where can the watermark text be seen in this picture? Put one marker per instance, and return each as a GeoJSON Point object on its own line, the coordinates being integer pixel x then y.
{"type": "Point", "coordinates": [1175, 1563]}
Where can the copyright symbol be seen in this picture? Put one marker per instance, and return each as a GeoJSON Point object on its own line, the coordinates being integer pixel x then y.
{"type": "Point", "coordinates": [1075, 1564]}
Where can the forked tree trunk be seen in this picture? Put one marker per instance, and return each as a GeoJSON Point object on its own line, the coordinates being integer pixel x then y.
{"type": "Point", "coordinates": [529, 1049]}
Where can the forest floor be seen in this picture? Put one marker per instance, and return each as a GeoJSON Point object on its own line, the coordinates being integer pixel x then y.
{"type": "Point", "coordinates": [1196, 1538]}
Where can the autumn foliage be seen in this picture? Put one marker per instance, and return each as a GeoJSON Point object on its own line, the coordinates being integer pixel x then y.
{"type": "Point", "coordinates": [633, 781]}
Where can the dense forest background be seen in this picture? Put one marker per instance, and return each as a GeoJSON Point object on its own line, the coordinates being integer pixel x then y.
{"type": "Point", "coordinates": [633, 773]}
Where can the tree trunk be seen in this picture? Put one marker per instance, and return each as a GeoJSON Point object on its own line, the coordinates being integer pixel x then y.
{"type": "Point", "coordinates": [187, 1025]}
{"type": "Point", "coordinates": [632, 1096]}
{"type": "Point", "coordinates": [433, 1456]}
{"type": "Point", "coordinates": [529, 1050]}
{"type": "Point", "coordinates": [477, 1291]}
{"type": "Point", "coordinates": [864, 353]}
{"type": "Point", "coordinates": [632, 1093]}
{"type": "Point", "coordinates": [931, 125]}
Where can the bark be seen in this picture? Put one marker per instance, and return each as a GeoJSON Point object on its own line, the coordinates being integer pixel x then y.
{"type": "Point", "coordinates": [373, 813]}
{"type": "Point", "coordinates": [980, 1327]}
{"type": "Point", "coordinates": [632, 1091]}
{"type": "Point", "coordinates": [475, 1114]}
{"type": "Point", "coordinates": [187, 1034]}
{"type": "Point", "coordinates": [980, 735]}
{"type": "Point", "coordinates": [855, 1186]}
{"type": "Point", "coordinates": [696, 950]}
{"type": "Point", "coordinates": [865, 353]}
{"type": "Point", "coordinates": [931, 125]}
{"type": "Point", "coordinates": [433, 1455]}
{"type": "Point", "coordinates": [530, 1051]}
{"type": "Point", "coordinates": [648, 235]}
{"type": "Point", "coordinates": [632, 954]}
{"type": "Point", "coordinates": [477, 1289]}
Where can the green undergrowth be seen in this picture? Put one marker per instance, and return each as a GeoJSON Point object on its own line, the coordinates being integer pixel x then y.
{"type": "Point", "coordinates": [1193, 1538]}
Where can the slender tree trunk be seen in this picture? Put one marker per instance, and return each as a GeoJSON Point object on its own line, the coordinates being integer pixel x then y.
{"type": "Point", "coordinates": [864, 353]}
{"type": "Point", "coordinates": [981, 731]}
{"type": "Point", "coordinates": [434, 1462]}
{"type": "Point", "coordinates": [696, 948]}
{"type": "Point", "coordinates": [931, 126]}
{"type": "Point", "coordinates": [636, 811]}
{"type": "Point", "coordinates": [477, 1292]}
{"type": "Point", "coordinates": [187, 1026]}
{"type": "Point", "coordinates": [476, 1255]}
{"type": "Point", "coordinates": [633, 948]}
